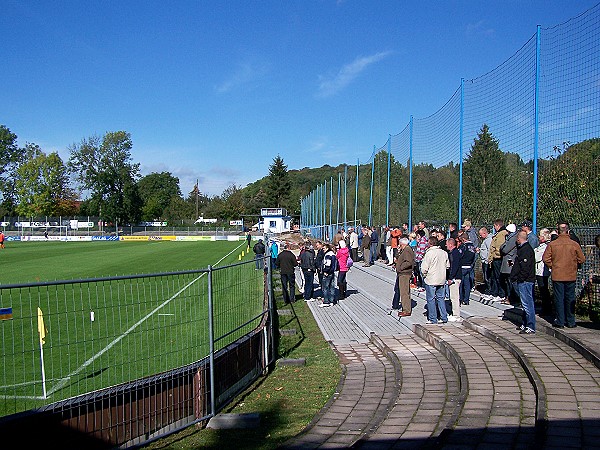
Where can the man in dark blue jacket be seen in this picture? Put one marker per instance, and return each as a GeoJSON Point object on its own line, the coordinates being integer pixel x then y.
{"type": "Point", "coordinates": [467, 262]}
{"type": "Point", "coordinates": [454, 277]}
{"type": "Point", "coordinates": [374, 245]}
{"type": "Point", "coordinates": [523, 275]}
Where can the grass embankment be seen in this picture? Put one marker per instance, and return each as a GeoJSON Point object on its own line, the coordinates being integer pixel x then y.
{"type": "Point", "coordinates": [287, 399]}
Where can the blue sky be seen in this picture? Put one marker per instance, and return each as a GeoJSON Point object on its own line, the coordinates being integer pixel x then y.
{"type": "Point", "coordinates": [214, 90]}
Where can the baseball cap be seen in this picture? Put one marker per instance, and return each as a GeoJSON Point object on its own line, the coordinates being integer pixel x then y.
{"type": "Point", "coordinates": [466, 223]}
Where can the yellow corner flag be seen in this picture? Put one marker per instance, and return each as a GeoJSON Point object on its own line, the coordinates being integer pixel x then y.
{"type": "Point", "coordinates": [41, 327]}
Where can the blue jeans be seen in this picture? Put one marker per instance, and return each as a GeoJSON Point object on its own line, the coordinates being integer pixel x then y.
{"type": "Point", "coordinates": [466, 284]}
{"type": "Point", "coordinates": [259, 259]}
{"type": "Point", "coordinates": [309, 279]}
{"type": "Point", "coordinates": [435, 301]}
{"type": "Point", "coordinates": [328, 287]}
{"type": "Point", "coordinates": [525, 290]}
{"type": "Point", "coordinates": [564, 302]}
{"type": "Point", "coordinates": [374, 253]}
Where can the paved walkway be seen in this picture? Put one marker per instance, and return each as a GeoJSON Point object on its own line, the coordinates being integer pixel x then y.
{"type": "Point", "coordinates": [472, 384]}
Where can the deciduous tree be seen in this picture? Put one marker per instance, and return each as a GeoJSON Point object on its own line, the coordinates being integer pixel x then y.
{"type": "Point", "coordinates": [104, 167]}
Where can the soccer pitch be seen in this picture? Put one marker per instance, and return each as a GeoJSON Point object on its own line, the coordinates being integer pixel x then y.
{"type": "Point", "coordinates": [101, 333]}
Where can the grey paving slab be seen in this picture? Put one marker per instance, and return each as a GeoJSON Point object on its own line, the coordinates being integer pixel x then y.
{"type": "Point", "coordinates": [500, 408]}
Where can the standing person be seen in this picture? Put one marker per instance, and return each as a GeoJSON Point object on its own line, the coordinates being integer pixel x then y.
{"type": "Point", "coordinates": [319, 264]}
{"type": "Point", "coordinates": [1, 239]}
{"type": "Point", "coordinates": [374, 245]}
{"type": "Point", "coordinates": [423, 226]}
{"type": "Point", "coordinates": [286, 261]}
{"type": "Point", "coordinates": [248, 240]}
{"type": "Point", "coordinates": [342, 255]}
{"type": "Point", "coordinates": [527, 226]}
{"type": "Point", "coordinates": [508, 250]}
{"type": "Point", "coordinates": [338, 237]}
{"type": "Point", "coordinates": [366, 247]}
{"type": "Point", "coordinates": [307, 265]}
{"type": "Point", "coordinates": [422, 245]}
{"type": "Point", "coordinates": [453, 230]}
{"type": "Point", "coordinates": [329, 268]}
{"type": "Point", "coordinates": [542, 273]}
{"type": "Point", "coordinates": [467, 262]}
{"type": "Point", "coordinates": [404, 269]}
{"type": "Point", "coordinates": [562, 257]}
{"type": "Point", "coordinates": [353, 241]}
{"type": "Point", "coordinates": [468, 227]}
{"type": "Point", "coordinates": [454, 278]}
{"type": "Point", "coordinates": [259, 250]}
{"type": "Point", "coordinates": [274, 253]}
{"type": "Point", "coordinates": [405, 230]}
{"type": "Point", "coordinates": [433, 267]}
{"type": "Point", "coordinates": [441, 239]}
{"type": "Point", "coordinates": [389, 254]}
{"type": "Point", "coordinates": [396, 235]}
{"type": "Point", "coordinates": [484, 254]}
{"type": "Point", "coordinates": [523, 275]}
{"type": "Point", "coordinates": [495, 259]}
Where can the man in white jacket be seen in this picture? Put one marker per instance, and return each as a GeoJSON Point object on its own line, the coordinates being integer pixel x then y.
{"type": "Point", "coordinates": [433, 267]}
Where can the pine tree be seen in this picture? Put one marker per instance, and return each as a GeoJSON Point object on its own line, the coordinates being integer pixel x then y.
{"type": "Point", "coordinates": [484, 179]}
{"type": "Point", "coordinates": [278, 184]}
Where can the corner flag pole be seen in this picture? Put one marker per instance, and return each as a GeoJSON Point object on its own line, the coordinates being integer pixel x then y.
{"type": "Point", "coordinates": [42, 332]}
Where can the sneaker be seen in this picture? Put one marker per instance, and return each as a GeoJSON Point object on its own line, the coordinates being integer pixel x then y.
{"type": "Point", "coordinates": [520, 327]}
{"type": "Point", "coordinates": [421, 289]}
{"type": "Point", "coordinates": [557, 325]}
{"type": "Point", "coordinates": [309, 299]}
{"type": "Point", "coordinates": [527, 330]}
{"type": "Point", "coordinates": [392, 311]}
{"type": "Point", "coordinates": [430, 322]}
{"type": "Point", "coordinates": [324, 305]}
{"type": "Point", "coordinates": [452, 319]}
{"type": "Point", "coordinates": [442, 322]}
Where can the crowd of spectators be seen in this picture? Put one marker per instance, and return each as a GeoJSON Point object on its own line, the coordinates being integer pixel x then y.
{"type": "Point", "coordinates": [441, 263]}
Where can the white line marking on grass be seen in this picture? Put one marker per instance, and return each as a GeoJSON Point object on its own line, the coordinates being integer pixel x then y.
{"type": "Point", "coordinates": [133, 327]}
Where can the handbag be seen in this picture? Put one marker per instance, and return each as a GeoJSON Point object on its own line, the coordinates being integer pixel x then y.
{"type": "Point", "coordinates": [349, 262]}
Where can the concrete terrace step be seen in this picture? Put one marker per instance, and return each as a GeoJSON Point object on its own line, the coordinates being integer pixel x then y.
{"type": "Point", "coordinates": [429, 398]}
{"type": "Point", "coordinates": [569, 384]}
{"type": "Point", "coordinates": [500, 403]}
{"type": "Point", "coordinates": [366, 393]}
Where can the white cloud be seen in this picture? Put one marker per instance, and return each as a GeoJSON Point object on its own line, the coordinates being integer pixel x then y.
{"type": "Point", "coordinates": [330, 85]}
{"type": "Point", "coordinates": [479, 28]}
{"type": "Point", "coordinates": [246, 73]}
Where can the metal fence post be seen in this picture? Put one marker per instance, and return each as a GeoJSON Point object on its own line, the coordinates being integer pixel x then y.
{"type": "Point", "coordinates": [537, 127]}
{"type": "Point", "coordinates": [211, 342]}
{"type": "Point", "coordinates": [271, 304]}
{"type": "Point", "coordinates": [460, 139]}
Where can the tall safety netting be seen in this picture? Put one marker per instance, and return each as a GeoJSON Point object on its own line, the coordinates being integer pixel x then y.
{"type": "Point", "coordinates": [400, 192]}
{"type": "Point", "coordinates": [569, 126]}
{"type": "Point", "coordinates": [436, 159]}
{"type": "Point", "coordinates": [519, 142]}
{"type": "Point", "coordinates": [498, 141]}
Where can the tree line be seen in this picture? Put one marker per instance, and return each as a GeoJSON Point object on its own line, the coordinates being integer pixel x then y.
{"type": "Point", "coordinates": [101, 179]}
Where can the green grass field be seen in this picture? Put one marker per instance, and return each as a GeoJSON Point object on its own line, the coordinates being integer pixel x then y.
{"type": "Point", "coordinates": [104, 333]}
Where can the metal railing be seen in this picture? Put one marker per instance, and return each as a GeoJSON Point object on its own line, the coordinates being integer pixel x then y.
{"type": "Point", "coordinates": [122, 360]}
